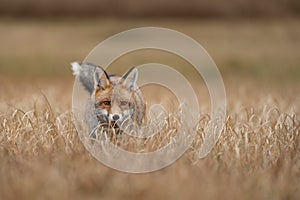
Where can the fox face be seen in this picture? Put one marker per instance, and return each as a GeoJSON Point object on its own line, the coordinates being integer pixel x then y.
{"type": "Point", "coordinates": [118, 100]}
{"type": "Point", "coordinates": [114, 100]}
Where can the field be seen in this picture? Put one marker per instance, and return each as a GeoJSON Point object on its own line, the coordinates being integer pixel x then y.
{"type": "Point", "coordinates": [257, 156]}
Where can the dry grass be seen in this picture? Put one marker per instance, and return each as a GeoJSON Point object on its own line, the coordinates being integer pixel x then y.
{"type": "Point", "coordinates": [257, 156]}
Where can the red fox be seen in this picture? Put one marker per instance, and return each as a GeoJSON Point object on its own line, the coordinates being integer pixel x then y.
{"type": "Point", "coordinates": [117, 100]}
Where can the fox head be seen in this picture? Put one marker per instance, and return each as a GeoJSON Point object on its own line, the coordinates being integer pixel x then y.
{"type": "Point", "coordinates": [116, 97]}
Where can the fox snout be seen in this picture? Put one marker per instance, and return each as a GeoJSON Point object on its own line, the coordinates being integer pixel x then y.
{"type": "Point", "coordinates": [113, 112]}
{"type": "Point", "coordinates": [115, 117]}
{"type": "Point", "coordinates": [119, 114]}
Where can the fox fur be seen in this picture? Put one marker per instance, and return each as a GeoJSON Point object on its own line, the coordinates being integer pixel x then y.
{"type": "Point", "coordinates": [115, 100]}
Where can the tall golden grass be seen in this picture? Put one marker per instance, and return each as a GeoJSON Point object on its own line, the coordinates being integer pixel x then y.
{"type": "Point", "coordinates": [257, 156]}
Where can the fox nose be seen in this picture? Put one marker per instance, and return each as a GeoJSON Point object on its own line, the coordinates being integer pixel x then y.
{"type": "Point", "coordinates": [116, 117]}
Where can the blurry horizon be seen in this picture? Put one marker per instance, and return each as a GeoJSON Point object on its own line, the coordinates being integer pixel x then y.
{"type": "Point", "coordinates": [150, 9]}
{"type": "Point", "coordinates": [255, 39]}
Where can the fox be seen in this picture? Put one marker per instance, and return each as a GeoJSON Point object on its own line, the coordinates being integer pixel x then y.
{"type": "Point", "coordinates": [117, 101]}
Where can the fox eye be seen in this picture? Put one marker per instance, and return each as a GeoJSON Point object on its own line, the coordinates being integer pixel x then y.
{"type": "Point", "coordinates": [124, 103]}
{"type": "Point", "coordinates": [107, 103]}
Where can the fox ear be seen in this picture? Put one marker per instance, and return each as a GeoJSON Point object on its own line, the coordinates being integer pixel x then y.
{"type": "Point", "coordinates": [130, 78]}
{"type": "Point", "coordinates": [101, 79]}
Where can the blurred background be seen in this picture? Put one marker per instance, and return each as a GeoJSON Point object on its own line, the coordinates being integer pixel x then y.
{"type": "Point", "coordinates": [154, 8]}
{"type": "Point", "coordinates": [259, 39]}
{"type": "Point", "coordinates": [255, 44]}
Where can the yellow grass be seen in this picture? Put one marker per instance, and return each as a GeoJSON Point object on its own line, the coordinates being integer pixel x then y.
{"type": "Point", "coordinates": [257, 156]}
